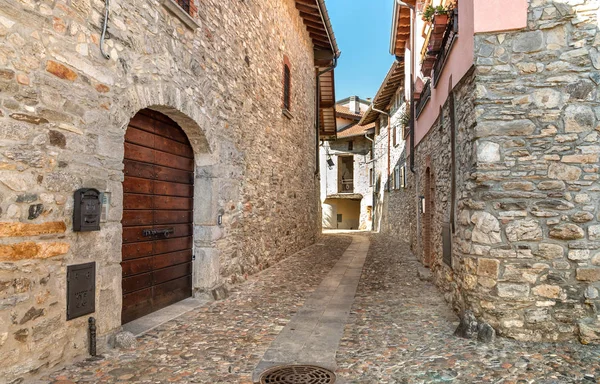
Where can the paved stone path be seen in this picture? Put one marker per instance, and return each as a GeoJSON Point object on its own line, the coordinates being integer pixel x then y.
{"type": "Point", "coordinates": [399, 330]}
{"type": "Point", "coordinates": [221, 343]}
{"type": "Point", "coordinates": [313, 335]}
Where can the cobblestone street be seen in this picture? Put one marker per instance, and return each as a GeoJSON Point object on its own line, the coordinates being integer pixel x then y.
{"type": "Point", "coordinates": [399, 331]}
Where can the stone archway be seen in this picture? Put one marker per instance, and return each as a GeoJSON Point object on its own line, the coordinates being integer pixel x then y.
{"type": "Point", "coordinates": [181, 108]}
{"type": "Point", "coordinates": [157, 222]}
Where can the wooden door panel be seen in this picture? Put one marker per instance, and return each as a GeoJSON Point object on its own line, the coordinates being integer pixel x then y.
{"type": "Point", "coordinates": [140, 137]}
{"type": "Point", "coordinates": [139, 153]}
{"type": "Point", "coordinates": [171, 273]}
{"type": "Point", "coordinates": [137, 217]}
{"type": "Point", "coordinates": [173, 161]}
{"type": "Point", "coordinates": [137, 266]}
{"type": "Point", "coordinates": [172, 217]}
{"type": "Point", "coordinates": [157, 195]}
{"type": "Point", "coordinates": [167, 203]}
{"type": "Point", "coordinates": [137, 282]}
{"type": "Point", "coordinates": [136, 201]}
{"type": "Point", "coordinates": [138, 185]}
{"type": "Point", "coordinates": [169, 259]}
{"type": "Point", "coordinates": [173, 189]}
{"type": "Point", "coordinates": [172, 245]}
{"type": "Point", "coordinates": [171, 291]}
{"type": "Point", "coordinates": [136, 305]}
{"type": "Point", "coordinates": [137, 250]}
{"type": "Point", "coordinates": [171, 146]}
{"type": "Point", "coordinates": [150, 124]}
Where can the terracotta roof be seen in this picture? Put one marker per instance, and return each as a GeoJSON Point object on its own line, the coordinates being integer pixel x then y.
{"type": "Point", "coordinates": [393, 80]}
{"type": "Point", "coordinates": [355, 130]}
{"type": "Point", "coordinates": [343, 111]}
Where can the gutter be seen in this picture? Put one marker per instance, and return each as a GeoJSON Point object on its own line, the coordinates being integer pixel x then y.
{"type": "Point", "coordinates": [394, 29]}
{"type": "Point", "coordinates": [328, 28]}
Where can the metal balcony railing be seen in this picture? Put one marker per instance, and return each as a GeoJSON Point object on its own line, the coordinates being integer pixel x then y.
{"type": "Point", "coordinates": [448, 41]}
{"type": "Point", "coordinates": [423, 98]}
{"type": "Point", "coordinates": [347, 186]}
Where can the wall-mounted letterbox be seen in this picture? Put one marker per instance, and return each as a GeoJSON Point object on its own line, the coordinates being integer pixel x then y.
{"type": "Point", "coordinates": [87, 210]}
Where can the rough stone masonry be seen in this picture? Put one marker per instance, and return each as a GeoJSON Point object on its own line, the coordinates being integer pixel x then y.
{"type": "Point", "coordinates": [530, 231]}
{"type": "Point", "coordinates": [526, 250]}
{"type": "Point", "coordinates": [63, 114]}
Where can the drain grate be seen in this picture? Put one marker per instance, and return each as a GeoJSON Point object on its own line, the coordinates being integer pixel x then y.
{"type": "Point", "coordinates": [297, 374]}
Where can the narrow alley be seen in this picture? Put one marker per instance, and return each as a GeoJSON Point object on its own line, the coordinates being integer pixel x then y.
{"type": "Point", "coordinates": [400, 330]}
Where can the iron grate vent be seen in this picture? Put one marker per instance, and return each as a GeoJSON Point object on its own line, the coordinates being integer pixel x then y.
{"type": "Point", "coordinates": [297, 374]}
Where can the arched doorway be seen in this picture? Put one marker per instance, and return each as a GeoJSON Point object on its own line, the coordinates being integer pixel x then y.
{"type": "Point", "coordinates": [158, 191]}
{"type": "Point", "coordinates": [428, 220]}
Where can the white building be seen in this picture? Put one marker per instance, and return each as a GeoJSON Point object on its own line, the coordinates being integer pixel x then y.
{"type": "Point", "coordinates": [347, 170]}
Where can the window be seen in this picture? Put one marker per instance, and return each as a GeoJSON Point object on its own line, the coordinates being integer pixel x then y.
{"type": "Point", "coordinates": [371, 177]}
{"type": "Point", "coordinates": [287, 84]}
{"type": "Point", "coordinates": [394, 136]}
{"type": "Point", "coordinates": [339, 218]}
{"type": "Point", "coordinates": [184, 10]}
{"type": "Point", "coordinates": [185, 5]}
{"type": "Point", "coordinates": [350, 145]}
{"type": "Point", "coordinates": [397, 177]}
{"type": "Point", "coordinates": [403, 176]}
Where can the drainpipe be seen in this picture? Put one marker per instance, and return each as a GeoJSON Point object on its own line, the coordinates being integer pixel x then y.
{"type": "Point", "coordinates": [389, 155]}
{"type": "Point", "coordinates": [373, 197]}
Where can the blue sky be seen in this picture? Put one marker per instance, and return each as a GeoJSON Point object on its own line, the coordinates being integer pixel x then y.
{"type": "Point", "coordinates": [362, 29]}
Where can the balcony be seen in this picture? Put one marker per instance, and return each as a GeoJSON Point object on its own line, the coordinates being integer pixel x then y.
{"type": "Point", "coordinates": [450, 35]}
{"type": "Point", "coordinates": [347, 186]}
{"type": "Point", "coordinates": [439, 42]}
{"type": "Point", "coordinates": [423, 98]}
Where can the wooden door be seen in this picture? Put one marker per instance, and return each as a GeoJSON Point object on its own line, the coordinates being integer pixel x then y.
{"type": "Point", "coordinates": [157, 215]}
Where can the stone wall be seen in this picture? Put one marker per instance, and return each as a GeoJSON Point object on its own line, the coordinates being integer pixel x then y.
{"type": "Point", "coordinates": [530, 225]}
{"type": "Point", "coordinates": [526, 247]}
{"type": "Point", "coordinates": [63, 114]}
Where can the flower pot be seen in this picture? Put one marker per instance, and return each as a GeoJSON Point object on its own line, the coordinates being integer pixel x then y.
{"type": "Point", "coordinates": [440, 19]}
{"type": "Point", "coordinates": [439, 23]}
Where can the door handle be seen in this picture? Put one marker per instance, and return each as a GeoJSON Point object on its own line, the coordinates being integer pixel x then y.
{"type": "Point", "coordinates": [158, 232]}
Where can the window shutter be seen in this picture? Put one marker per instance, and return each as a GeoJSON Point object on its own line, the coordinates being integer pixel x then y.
{"type": "Point", "coordinates": [287, 80]}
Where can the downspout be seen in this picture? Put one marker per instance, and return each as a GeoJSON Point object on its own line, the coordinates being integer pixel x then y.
{"type": "Point", "coordinates": [389, 155]}
{"type": "Point", "coordinates": [412, 90]}
{"type": "Point", "coordinates": [373, 197]}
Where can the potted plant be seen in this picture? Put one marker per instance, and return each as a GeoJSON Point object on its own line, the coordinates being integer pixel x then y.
{"type": "Point", "coordinates": [438, 15]}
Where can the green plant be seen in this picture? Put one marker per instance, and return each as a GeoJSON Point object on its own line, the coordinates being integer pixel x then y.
{"type": "Point", "coordinates": [431, 11]}
{"type": "Point", "coordinates": [405, 115]}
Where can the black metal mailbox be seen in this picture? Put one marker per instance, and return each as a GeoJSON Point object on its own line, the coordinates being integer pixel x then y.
{"type": "Point", "coordinates": [81, 290]}
{"type": "Point", "coordinates": [87, 210]}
